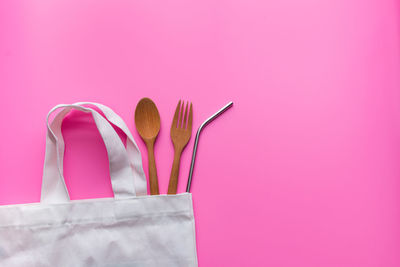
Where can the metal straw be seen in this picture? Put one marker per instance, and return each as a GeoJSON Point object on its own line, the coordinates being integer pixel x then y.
{"type": "Point", "coordinates": [196, 141]}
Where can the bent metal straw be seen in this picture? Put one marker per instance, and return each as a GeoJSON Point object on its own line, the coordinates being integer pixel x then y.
{"type": "Point", "coordinates": [196, 141]}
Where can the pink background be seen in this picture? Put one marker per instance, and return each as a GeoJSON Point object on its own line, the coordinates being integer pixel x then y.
{"type": "Point", "coordinates": [302, 171]}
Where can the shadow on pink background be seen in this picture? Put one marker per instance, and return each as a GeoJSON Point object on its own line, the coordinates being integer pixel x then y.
{"type": "Point", "coordinates": [302, 171]}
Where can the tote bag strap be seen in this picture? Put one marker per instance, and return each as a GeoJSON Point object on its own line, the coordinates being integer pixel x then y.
{"type": "Point", "coordinates": [121, 171]}
{"type": "Point", "coordinates": [132, 149]}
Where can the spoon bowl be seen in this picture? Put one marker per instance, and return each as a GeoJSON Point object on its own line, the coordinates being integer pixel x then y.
{"type": "Point", "coordinates": [147, 119]}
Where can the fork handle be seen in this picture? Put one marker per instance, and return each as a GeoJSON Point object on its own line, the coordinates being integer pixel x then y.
{"type": "Point", "coordinates": [173, 179]}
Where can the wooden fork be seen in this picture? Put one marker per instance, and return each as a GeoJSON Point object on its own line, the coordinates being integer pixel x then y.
{"type": "Point", "coordinates": [181, 130]}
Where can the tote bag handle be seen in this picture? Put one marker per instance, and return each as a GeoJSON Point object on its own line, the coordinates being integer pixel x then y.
{"type": "Point", "coordinates": [126, 172]}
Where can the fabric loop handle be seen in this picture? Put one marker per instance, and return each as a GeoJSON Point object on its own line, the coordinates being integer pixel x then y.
{"type": "Point", "coordinates": [132, 149]}
{"type": "Point", "coordinates": [126, 172]}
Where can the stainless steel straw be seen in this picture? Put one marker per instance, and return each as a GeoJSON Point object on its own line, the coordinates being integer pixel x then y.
{"type": "Point", "coordinates": [196, 141]}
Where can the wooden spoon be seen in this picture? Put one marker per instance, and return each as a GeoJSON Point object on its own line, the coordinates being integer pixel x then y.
{"type": "Point", "coordinates": [147, 120]}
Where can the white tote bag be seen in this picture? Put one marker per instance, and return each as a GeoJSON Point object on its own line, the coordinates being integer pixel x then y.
{"type": "Point", "coordinates": [131, 229]}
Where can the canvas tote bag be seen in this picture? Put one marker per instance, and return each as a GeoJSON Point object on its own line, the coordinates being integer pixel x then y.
{"type": "Point", "coordinates": [131, 229]}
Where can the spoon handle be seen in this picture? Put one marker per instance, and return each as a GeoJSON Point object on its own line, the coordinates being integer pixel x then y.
{"type": "Point", "coordinates": [153, 179]}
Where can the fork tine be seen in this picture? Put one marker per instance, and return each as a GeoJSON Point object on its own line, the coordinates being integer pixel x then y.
{"type": "Point", "coordinates": [181, 114]}
{"type": "Point", "coordinates": [176, 115]}
{"type": "Point", "coordinates": [185, 118]}
{"type": "Point", "coordinates": [190, 118]}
